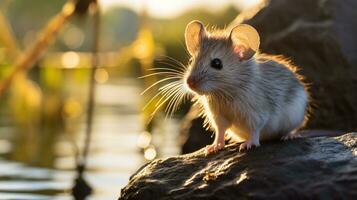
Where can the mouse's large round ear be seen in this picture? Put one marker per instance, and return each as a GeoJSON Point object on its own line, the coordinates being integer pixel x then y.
{"type": "Point", "coordinates": [194, 33]}
{"type": "Point", "coordinates": [246, 41]}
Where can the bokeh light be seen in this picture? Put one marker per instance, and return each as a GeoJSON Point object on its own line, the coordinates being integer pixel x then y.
{"type": "Point", "coordinates": [144, 140]}
{"type": "Point", "coordinates": [101, 75]}
{"type": "Point", "coordinates": [73, 37]}
{"type": "Point", "coordinates": [150, 153]}
{"type": "Point", "coordinates": [70, 59]}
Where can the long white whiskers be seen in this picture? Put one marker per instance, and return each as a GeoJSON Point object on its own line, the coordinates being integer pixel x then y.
{"type": "Point", "coordinates": [170, 85]}
{"type": "Point", "coordinates": [168, 69]}
{"type": "Point", "coordinates": [171, 94]}
{"type": "Point", "coordinates": [164, 100]}
{"type": "Point", "coordinates": [157, 82]}
{"type": "Point", "coordinates": [160, 73]}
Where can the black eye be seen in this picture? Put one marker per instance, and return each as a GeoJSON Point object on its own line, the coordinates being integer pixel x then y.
{"type": "Point", "coordinates": [216, 63]}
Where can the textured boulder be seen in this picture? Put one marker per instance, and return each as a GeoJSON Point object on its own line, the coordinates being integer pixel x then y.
{"type": "Point", "coordinates": [319, 36]}
{"type": "Point", "coordinates": [308, 168]}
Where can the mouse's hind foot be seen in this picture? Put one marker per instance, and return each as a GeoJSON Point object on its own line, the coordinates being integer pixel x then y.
{"type": "Point", "coordinates": [250, 143]}
{"type": "Point", "coordinates": [245, 146]}
{"type": "Point", "coordinates": [290, 136]}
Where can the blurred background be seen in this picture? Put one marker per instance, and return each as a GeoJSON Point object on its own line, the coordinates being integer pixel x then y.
{"type": "Point", "coordinates": [51, 53]}
{"type": "Point", "coordinates": [72, 117]}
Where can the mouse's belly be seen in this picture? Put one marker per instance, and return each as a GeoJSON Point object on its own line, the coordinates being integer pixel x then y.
{"type": "Point", "coordinates": [279, 125]}
{"type": "Point", "coordinates": [239, 133]}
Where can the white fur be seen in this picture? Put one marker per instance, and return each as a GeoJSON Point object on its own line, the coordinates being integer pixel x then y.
{"type": "Point", "coordinates": [288, 118]}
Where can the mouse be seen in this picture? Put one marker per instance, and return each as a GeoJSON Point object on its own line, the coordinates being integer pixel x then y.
{"type": "Point", "coordinates": [244, 94]}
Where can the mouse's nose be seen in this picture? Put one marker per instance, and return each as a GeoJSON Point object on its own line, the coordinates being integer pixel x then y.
{"type": "Point", "coordinates": [191, 82]}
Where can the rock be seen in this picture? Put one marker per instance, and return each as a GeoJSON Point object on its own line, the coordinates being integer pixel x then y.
{"type": "Point", "coordinates": [200, 137]}
{"type": "Point", "coordinates": [319, 36]}
{"type": "Point", "coordinates": [307, 168]}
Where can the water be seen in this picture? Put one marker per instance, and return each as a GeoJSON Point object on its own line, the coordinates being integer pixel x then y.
{"type": "Point", "coordinates": [113, 157]}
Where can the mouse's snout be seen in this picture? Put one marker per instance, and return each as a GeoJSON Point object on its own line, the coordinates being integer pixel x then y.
{"type": "Point", "coordinates": [191, 82]}
{"type": "Point", "coordinates": [196, 84]}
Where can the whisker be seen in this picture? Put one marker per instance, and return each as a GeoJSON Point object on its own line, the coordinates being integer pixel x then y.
{"type": "Point", "coordinates": [159, 93]}
{"type": "Point", "coordinates": [157, 107]}
{"type": "Point", "coordinates": [169, 107]}
{"type": "Point", "coordinates": [174, 83]}
{"type": "Point", "coordinates": [158, 73]}
{"type": "Point", "coordinates": [180, 100]}
{"type": "Point", "coordinates": [167, 69]}
{"type": "Point", "coordinates": [167, 94]}
{"type": "Point", "coordinates": [149, 102]}
{"type": "Point", "coordinates": [175, 102]}
{"type": "Point", "coordinates": [175, 61]}
{"type": "Point", "coordinates": [171, 94]}
{"type": "Point", "coordinates": [162, 101]}
{"type": "Point", "coordinates": [170, 66]}
{"type": "Point", "coordinates": [157, 82]}
{"type": "Point", "coordinates": [173, 65]}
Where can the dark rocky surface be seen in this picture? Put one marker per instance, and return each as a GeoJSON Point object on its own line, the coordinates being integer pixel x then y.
{"type": "Point", "coordinates": [320, 37]}
{"type": "Point", "coordinates": [307, 168]}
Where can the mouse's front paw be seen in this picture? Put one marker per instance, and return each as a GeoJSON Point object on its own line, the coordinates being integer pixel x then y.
{"type": "Point", "coordinates": [248, 145]}
{"type": "Point", "coordinates": [213, 148]}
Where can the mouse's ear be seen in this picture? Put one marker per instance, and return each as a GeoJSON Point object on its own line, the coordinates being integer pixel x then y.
{"type": "Point", "coordinates": [194, 33]}
{"type": "Point", "coordinates": [246, 41]}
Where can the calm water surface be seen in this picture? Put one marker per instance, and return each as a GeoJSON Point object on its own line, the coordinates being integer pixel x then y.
{"type": "Point", "coordinates": [113, 157]}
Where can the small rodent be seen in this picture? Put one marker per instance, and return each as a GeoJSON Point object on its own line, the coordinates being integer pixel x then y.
{"type": "Point", "coordinates": [251, 96]}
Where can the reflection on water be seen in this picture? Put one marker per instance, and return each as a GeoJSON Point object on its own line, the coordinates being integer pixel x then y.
{"type": "Point", "coordinates": [40, 165]}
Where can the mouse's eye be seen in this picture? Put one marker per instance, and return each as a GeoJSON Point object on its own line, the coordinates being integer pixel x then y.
{"type": "Point", "coordinates": [216, 63]}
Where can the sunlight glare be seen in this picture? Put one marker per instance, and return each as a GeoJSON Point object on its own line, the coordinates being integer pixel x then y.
{"type": "Point", "coordinates": [144, 140]}
{"type": "Point", "coordinates": [150, 153]}
{"type": "Point", "coordinates": [242, 177]}
{"type": "Point", "coordinates": [70, 59]}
